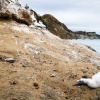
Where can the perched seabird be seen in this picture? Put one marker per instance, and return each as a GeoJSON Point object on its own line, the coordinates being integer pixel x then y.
{"type": "Point", "coordinates": [93, 82]}
{"type": "Point", "coordinates": [26, 6]}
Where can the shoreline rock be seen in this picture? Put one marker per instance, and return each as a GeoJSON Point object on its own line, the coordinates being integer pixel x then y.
{"type": "Point", "coordinates": [61, 30]}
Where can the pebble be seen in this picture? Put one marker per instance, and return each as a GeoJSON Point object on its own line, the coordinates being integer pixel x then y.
{"type": "Point", "coordinates": [52, 75]}
{"type": "Point", "coordinates": [36, 85]}
{"type": "Point", "coordinates": [10, 60]}
{"type": "Point", "coordinates": [13, 83]}
{"type": "Point", "coordinates": [55, 70]}
{"type": "Point", "coordinates": [66, 97]}
{"type": "Point", "coordinates": [42, 95]}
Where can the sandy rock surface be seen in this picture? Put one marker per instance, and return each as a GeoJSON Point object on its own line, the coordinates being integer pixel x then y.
{"type": "Point", "coordinates": [39, 54]}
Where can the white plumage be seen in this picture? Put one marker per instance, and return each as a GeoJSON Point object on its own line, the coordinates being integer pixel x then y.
{"type": "Point", "coordinates": [93, 82]}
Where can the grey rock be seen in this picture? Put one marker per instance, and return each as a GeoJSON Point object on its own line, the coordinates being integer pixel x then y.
{"type": "Point", "coordinates": [10, 60]}
{"type": "Point", "coordinates": [52, 75]}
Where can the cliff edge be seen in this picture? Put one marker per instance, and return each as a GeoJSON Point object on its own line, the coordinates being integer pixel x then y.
{"type": "Point", "coordinates": [56, 27]}
{"type": "Point", "coordinates": [61, 30]}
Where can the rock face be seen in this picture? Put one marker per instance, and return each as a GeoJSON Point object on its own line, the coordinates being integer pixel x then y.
{"type": "Point", "coordinates": [56, 27]}
{"type": "Point", "coordinates": [59, 29]}
{"type": "Point", "coordinates": [86, 35]}
{"type": "Point", "coordinates": [13, 10]}
{"type": "Point", "coordinates": [37, 65]}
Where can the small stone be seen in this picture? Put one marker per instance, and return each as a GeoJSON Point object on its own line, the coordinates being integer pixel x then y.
{"type": "Point", "coordinates": [52, 75]}
{"type": "Point", "coordinates": [87, 67]}
{"type": "Point", "coordinates": [42, 95]}
{"type": "Point", "coordinates": [13, 83]}
{"type": "Point", "coordinates": [66, 97]}
{"type": "Point", "coordinates": [25, 64]}
{"type": "Point", "coordinates": [55, 70]}
{"type": "Point", "coordinates": [16, 36]}
{"type": "Point", "coordinates": [10, 60]}
{"type": "Point", "coordinates": [36, 85]}
{"type": "Point", "coordinates": [65, 91]}
{"type": "Point", "coordinates": [62, 80]}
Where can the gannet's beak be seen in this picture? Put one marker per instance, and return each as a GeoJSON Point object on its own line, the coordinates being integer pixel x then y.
{"type": "Point", "coordinates": [79, 83]}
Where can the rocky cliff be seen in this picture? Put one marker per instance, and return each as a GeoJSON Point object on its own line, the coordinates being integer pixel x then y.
{"type": "Point", "coordinates": [59, 29]}
{"type": "Point", "coordinates": [22, 14]}
{"type": "Point", "coordinates": [56, 27]}
{"type": "Point", "coordinates": [37, 65]}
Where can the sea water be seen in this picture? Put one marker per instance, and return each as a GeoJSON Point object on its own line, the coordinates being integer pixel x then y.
{"type": "Point", "coordinates": [95, 43]}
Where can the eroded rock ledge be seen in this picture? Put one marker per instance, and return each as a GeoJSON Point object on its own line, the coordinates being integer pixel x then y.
{"type": "Point", "coordinates": [13, 10]}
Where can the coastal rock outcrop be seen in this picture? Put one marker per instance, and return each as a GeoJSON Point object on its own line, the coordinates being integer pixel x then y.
{"type": "Point", "coordinates": [86, 35]}
{"type": "Point", "coordinates": [13, 10]}
{"type": "Point", "coordinates": [61, 30]}
{"type": "Point", "coordinates": [56, 27]}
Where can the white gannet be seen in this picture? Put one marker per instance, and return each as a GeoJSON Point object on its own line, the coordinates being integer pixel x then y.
{"type": "Point", "coordinates": [93, 82]}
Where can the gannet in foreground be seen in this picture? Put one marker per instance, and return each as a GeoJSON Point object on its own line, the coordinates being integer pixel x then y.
{"type": "Point", "coordinates": [93, 82]}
